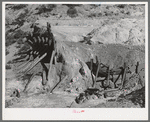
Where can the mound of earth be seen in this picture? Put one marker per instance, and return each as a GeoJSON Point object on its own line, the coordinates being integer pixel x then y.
{"type": "Point", "coordinates": [110, 34]}
{"type": "Point", "coordinates": [72, 64]}
{"type": "Point", "coordinates": [125, 31]}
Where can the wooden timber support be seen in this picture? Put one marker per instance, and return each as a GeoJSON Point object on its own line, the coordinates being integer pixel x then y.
{"type": "Point", "coordinates": [57, 84]}
{"type": "Point", "coordinates": [91, 68]}
{"type": "Point", "coordinates": [96, 74]}
{"type": "Point", "coordinates": [36, 62]}
{"type": "Point", "coordinates": [108, 74]}
{"type": "Point", "coordinates": [123, 76]}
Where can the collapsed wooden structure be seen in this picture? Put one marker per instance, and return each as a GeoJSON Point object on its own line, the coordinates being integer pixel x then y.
{"type": "Point", "coordinates": [77, 63]}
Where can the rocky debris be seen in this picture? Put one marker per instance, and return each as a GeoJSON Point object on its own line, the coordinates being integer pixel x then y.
{"type": "Point", "coordinates": [108, 84]}
{"type": "Point", "coordinates": [132, 84]}
{"type": "Point", "coordinates": [137, 97]}
{"type": "Point", "coordinates": [73, 59]}
{"type": "Point", "coordinates": [96, 94]}
{"type": "Point", "coordinates": [114, 97]}
{"type": "Point", "coordinates": [15, 93]}
{"type": "Point", "coordinates": [13, 98]}
{"type": "Point", "coordinates": [88, 95]}
{"type": "Point", "coordinates": [117, 33]}
{"type": "Point", "coordinates": [11, 102]}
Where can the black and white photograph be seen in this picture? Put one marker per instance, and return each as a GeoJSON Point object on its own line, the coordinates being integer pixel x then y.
{"type": "Point", "coordinates": [75, 56]}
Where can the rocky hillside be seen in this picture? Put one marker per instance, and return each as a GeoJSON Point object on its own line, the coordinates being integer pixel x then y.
{"type": "Point", "coordinates": [123, 22]}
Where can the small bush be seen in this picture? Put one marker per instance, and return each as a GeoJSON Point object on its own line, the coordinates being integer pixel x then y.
{"type": "Point", "coordinates": [8, 66]}
{"type": "Point", "coordinates": [18, 6]}
{"type": "Point", "coordinates": [22, 17]}
{"type": "Point", "coordinates": [92, 15]}
{"type": "Point", "coordinates": [72, 12]}
{"type": "Point", "coordinates": [9, 42]}
{"type": "Point", "coordinates": [107, 7]}
{"type": "Point", "coordinates": [45, 8]}
{"type": "Point", "coordinates": [8, 20]}
{"type": "Point", "coordinates": [15, 37]}
{"type": "Point", "coordinates": [108, 13]}
{"type": "Point", "coordinates": [128, 13]}
{"type": "Point", "coordinates": [99, 14]}
{"type": "Point", "coordinates": [9, 62]}
{"type": "Point", "coordinates": [121, 5]}
{"type": "Point", "coordinates": [122, 11]}
{"type": "Point", "coordinates": [19, 34]}
{"type": "Point", "coordinates": [7, 52]}
{"type": "Point", "coordinates": [18, 46]}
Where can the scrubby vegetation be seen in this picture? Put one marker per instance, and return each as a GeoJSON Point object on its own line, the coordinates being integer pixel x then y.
{"type": "Point", "coordinates": [16, 6]}
{"type": "Point", "coordinates": [7, 52]}
{"type": "Point", "coordinates": [45, 8]}
{"type": "Point", "coordinates": [72, 12]}
{"type": "Point", "coordinates": [19, 14]}
{"type": "Point", "coordinates": [8, 66]}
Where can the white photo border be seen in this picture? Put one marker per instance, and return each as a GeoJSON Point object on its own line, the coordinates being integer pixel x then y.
{"type": "Point", "coordinates": [67, 113]}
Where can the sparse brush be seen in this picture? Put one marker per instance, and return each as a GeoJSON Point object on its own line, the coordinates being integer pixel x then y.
{"type": "Point", "coordinates": [72, 12]}
{"type": "Point", "coordinates": [9, 62]}
{"type": "Point", "coordinates": [45, 8]}
{"type": "Point", "coordinates": [22, 17]}
{"type": "Point", "coordinates": [121, 5]}
{"type": "Point", "coordinates": [9, 42]}
{"type": "Point", "coordinates": [8, 66]}
{"type": "Point", "coordinates": [7, 52]}
{"type": "Point", "coordinates": [18, 6]}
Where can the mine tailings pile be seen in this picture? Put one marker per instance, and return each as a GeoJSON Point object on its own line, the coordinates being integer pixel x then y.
{"type": "Point", "coordinates": [102, 70]}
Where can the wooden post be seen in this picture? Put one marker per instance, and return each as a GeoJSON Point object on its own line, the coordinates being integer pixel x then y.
{"type": "Point", "coordinates": [112, 77]}
{"type": "Point", "coordinates": [51, 61]}
{"type": "Point", "coordinates": [124, 75]}
{"type": "Point", "coordinates": [96, 74]}
{"type": "Point", "coordinates": [57, 84]}
{"type": "Point", "coordinates": [136, 70]}
{"type": "Point", "coordinates": [36, 62]}
{"type": "Point", "coordinates": [44, 74]}
{"type": "Point", "coordinates": [91, 67]}
{"type": "Point", "coordinates": [117, 78]}
{"type": "Point", "coordinates": [29, 82]}
{"type": "Point", "coordinates": [108, 75]}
